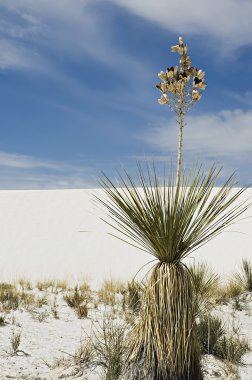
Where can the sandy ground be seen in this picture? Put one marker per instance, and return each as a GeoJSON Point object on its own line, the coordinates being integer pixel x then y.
{"type": "Point", "coordinates": [45, 342]}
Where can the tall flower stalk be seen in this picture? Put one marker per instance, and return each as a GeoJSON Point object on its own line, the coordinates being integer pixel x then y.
{"type": "Point", "coordinates": [170, 219]}
{"type": "Point", "coordinates": [180, 91]}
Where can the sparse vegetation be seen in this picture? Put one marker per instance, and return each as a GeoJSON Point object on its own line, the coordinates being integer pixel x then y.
{"type": "Point", "coordinates": [209, 330]}
{"type": "Point", "coordinates": [109, 291]}
{"type": "Point", "coordinates": [244, 277]}
{"type": "Point", "coordinates": [232, 348]}
{"type": "Point", "coordinates": [109, 347]}
{"type": "Point", "coordinates": [205, 282]}
{"type": "Point", "coordinates": [78, 299]}
{"type": "Point", "coordinates": [15, 341]}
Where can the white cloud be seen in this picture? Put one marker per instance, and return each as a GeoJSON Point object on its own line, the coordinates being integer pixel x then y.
{"type": "Point", "coordinates": [34, 31]}
{"type": "Point", "coordinates": [227, 133]}
{"type": "Point", "coordinates": [20, 171]}
{"type": "Point", "coordinates": [14, 56]}
{"type": "Point", "coordinates": [28, 162]}
{"type": "Point", "coordinates": [227, 21]}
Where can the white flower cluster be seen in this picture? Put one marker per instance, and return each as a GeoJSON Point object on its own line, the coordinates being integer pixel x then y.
{"type": "Point", "coordinates": [175, 80]}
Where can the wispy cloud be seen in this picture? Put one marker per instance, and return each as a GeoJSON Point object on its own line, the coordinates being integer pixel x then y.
{"type": "Point", "coordinates": [228, 22]}
{"type": "Point", "coordinates": [227, 133]}
{"type": "Point", "coordinates": [20, 171]}
{"type": "Point", "coordinates": [74, 28]}
{"type": "Point", "coordinates": [28, 162]}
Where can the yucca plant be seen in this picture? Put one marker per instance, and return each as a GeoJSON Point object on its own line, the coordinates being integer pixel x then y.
{"type": "Point", "coordinates": [205, 282]}
{"type": "Point", "coordinates": [244, 278]}
{"type": "Point", "coordinates": [170, 219]}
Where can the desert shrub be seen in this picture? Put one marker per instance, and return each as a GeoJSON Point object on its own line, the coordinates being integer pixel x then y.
{"type": "Point", "coordinates": [231, 348]}
{"type": "Point", "coordinates": [109, 347]}
{"type": "Point", "coordinates": [78, 299]}
{"type": "Point", "coordinates": [84, 354]}
{"type": "Point", "coordinates": [133, 295]}
{"type": "Point", "coordinates": [15, 341]}
{"type": "Point", "coordinates": [45, 285]}
{"type": "Point", "coordinates": [244, 277]}
{"type": "Point", "coordinates": [109, 290]}
{"type": "Point", "coordinates": [210, 329]}
{"type": "Point", "coordinates": [27, 300]}
{"type": "Point", "coordinates": [9, 297]}
{"type": "Point", "coordinates": [54, 308]}
{"type": "Point", "coordinates": [61, 285]}
{"type": "Point", "coordinates": [41, 301]}
{"type": "Point", "coordinates": [3, 320]}
{"type": "Point", "coordinates": [205, 282]}
{"type": "Point", "coordinates": [41, 315]}
{"type": "Point", "coordinates": [25, 284]}
{"type": "Point", "coordinates": [231, 290]}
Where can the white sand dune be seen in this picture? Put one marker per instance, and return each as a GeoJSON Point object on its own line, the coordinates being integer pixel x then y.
{"type": "Point", "coordinates": [40, 237]}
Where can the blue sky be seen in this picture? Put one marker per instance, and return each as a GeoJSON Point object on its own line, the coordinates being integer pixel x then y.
{"type": "Point", "coordinates": [78, 96]}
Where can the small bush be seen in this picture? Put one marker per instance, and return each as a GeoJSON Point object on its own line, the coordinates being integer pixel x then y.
{"type": "Point", "coordinates": [45, 285]}
{"type": "Point", "coordinates": [82, 311]}
{"type": "Point", "coordinates": [27, 300]}
{"type": "Point", "coordinates": [109, 348]}
{"type": "Point", "coordinates": [9, 297]}
{"type": "Point", "coordinates": [41, 301]}
{"type": "Point", "coordinates": [205, 283]}
{"type": "Point", "coordinates": [25, 284]}
{"type": "Point", "coordinates": [244, 278]}
{"type": "Point", "coordinates": [230, 291]}
{"type": "Point", "coordinates": [54, 308]}
{"type": "Point", "coordinates": [232, 348]}
{"type": "Point", "coordinates": [108, 291]}
{"type": "Point", "coordinates": [78, 300]}
{"type": "Point", "coordinates": [133, 295]}
{"type": "Point", "coordinates": [15, 342]}
{"type": "Point", "coordinates": [3, 321]}
{"type": "Point", "coordinates": [40, 316]}
{"type": "Point", "coordinates": [210, 329]}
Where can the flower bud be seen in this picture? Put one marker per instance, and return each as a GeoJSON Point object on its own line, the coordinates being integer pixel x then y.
{"type": "Point", "coordinates": [196, 95]}
{"type": "Point", "coordinates": [163, 99]}
{"type": "Point", "coordinates": [162, 75]}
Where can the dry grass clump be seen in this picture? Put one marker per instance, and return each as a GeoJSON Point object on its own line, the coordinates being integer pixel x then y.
{"type": "Point", "coordinates": [109, 290]}
{"type": "Point", "coordinates": [15, 341]}
{"type": "Point", "coordinates": [25, 284]}
{"type": "Point", "coordinates": [78, 299]}
{"type": "Point", "coordinates": [215, 340]}
{"type": "Point", "coordinates": [132, 296]}
{"type": "Point", "coordinates": [231, 290]}
{"type": "Point", "coordinates": [9, 297]}
{"type": "Point", "coordinates": [232, 348]}
{"type": "Point", "coordinates": [40, 301]}
{"type": "Point", "coordinates": [55, 308]}
{"type": "Point", "coordinates": [27, 300]}
{"type": "Point", "coordinates": [110, 347]}
{"type": "Point", "coordinates": [45, 285]}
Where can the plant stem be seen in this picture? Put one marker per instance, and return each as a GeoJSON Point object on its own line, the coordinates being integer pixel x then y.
{"type": "Point", "coordinates": [181, 126]}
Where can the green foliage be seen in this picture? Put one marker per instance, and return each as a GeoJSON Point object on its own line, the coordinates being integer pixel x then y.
{"type": "Point", "coordinates": [109, 347]}
{"type": "Point", "coordinates": [205, 281]}
{"type": "Point", "coordinates": [244, 278]}
{"type": "Point", "coordinates": [167, 221]}
{"type": "Point", "coordinates": [134, 294]}
{"type": "Point", "coordinates": [209, 330]}
{"type": "Point", "coordinates": [232, 348]}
